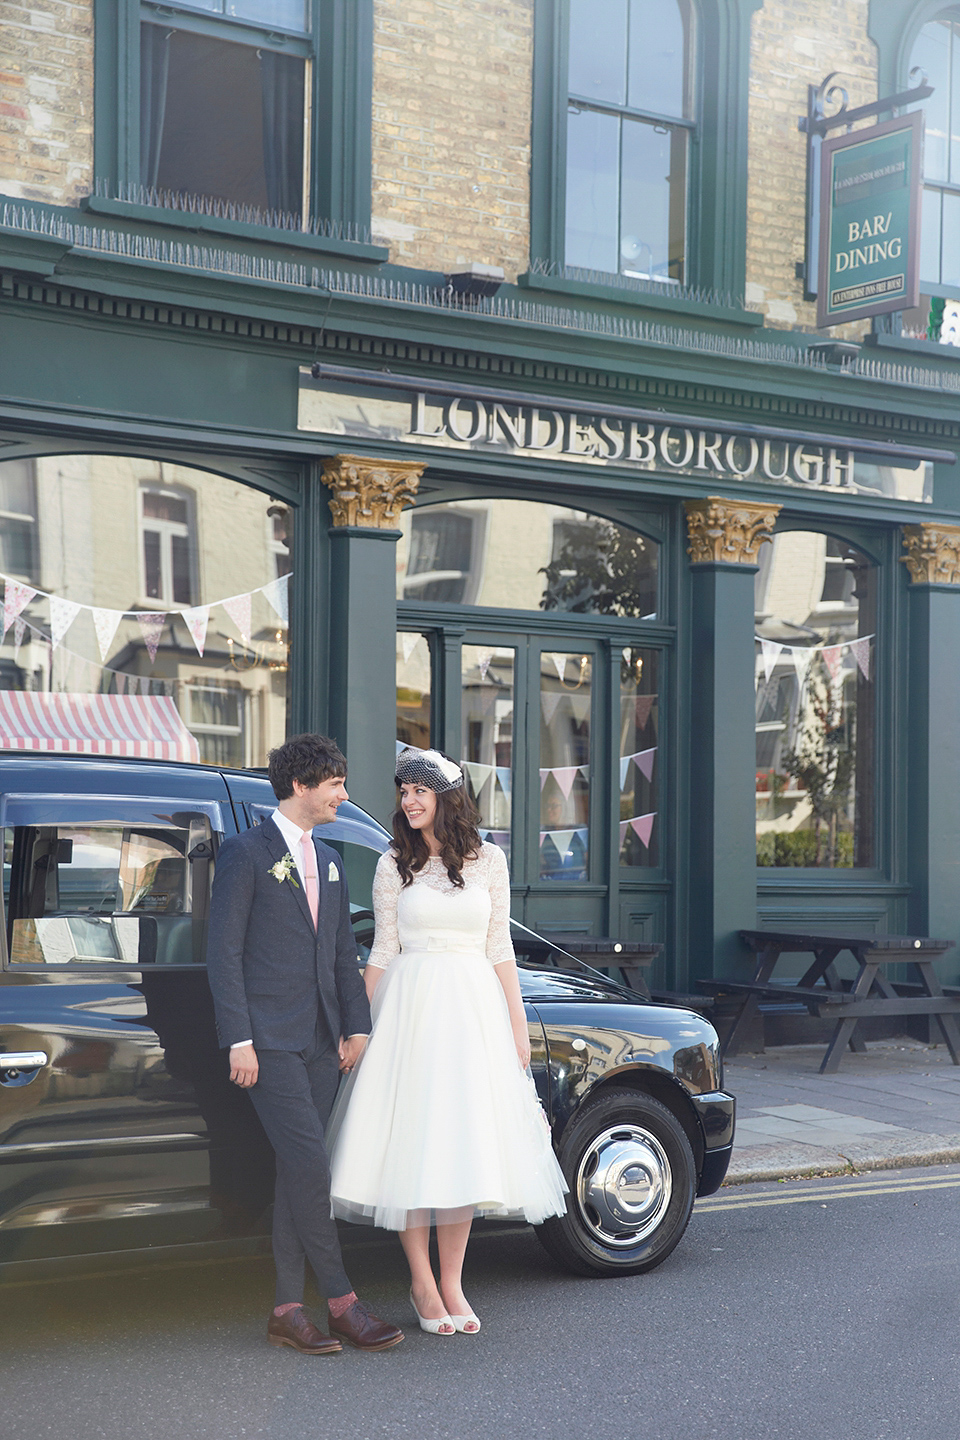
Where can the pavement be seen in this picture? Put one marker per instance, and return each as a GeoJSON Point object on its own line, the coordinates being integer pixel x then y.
{"type": "Point", "coordinates": [898, 1105]}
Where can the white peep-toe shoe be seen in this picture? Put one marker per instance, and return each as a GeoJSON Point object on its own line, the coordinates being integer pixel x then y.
{"type": "Point", "coordinates": [462, 1321]}
{"type": "Point", "coordinates": [432, 1327]}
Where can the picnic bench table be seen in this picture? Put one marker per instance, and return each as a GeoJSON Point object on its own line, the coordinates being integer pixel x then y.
{"type": "Point", "coordinates": [629, 957]}
{"type": "Point", "coordinates": [821, 990]}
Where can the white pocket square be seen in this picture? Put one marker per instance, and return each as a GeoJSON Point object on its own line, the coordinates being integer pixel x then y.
{"type": "Point", "coordinates": [333, 873]}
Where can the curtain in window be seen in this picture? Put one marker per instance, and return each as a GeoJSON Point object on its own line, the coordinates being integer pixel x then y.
{"type": "Point", "coordinates": [154, 71]}
{"type": "Point", "coordinates": [283, 129]}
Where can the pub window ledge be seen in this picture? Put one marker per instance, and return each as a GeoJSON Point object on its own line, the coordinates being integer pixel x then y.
{"type": "Point", "coordinates": [929, 349]}
{"type": "Point", "coordinates": [639, 299]}
{"type": "Point", "coordinates": [272, 235]}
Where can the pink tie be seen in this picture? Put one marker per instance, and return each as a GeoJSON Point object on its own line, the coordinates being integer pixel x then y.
{"type": "Point", "coordinates": [311, 876]}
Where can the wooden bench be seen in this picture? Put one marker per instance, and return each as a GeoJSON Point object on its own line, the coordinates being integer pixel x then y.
{"type": "Point", "coordinates": [627, 958]}
{"type": "Point", "coordinates": [821, 990]}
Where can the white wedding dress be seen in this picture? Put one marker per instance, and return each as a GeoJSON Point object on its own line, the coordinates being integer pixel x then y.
{"type": "Point", "coordinates": [438, 1115]}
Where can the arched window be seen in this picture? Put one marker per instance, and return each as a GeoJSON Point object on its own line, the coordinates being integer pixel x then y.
{"type": "Point", "coordinates": [815, 658]}
{"type": "Point", "coordinates": [936, 51]}
{"type": "Point", "coordinates": [630, 120]}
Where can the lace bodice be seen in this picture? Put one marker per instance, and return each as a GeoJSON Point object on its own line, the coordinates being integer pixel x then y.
{"type": "Point", "coordinates": [416, 918]}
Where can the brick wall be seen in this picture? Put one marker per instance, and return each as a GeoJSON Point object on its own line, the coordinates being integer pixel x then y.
{"type": "Point", "coordinates": [46, 100]}
{"type": "Point", "coordinates": [794, 43]}
{"type": "Point", "coordinates": [451, 131]}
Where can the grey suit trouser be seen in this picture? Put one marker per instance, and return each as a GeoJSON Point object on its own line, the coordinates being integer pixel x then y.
{"type": "Point", "coordinates": [294, 1095]}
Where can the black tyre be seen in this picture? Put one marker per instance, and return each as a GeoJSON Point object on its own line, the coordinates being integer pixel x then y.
{"type": "Point", "coordinates": [632, 1180]}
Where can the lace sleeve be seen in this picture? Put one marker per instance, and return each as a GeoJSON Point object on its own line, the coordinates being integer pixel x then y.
{"type": "Point", "coordinates": [386, 888]}
{"type": "Point", "coordinates": [499, 944]}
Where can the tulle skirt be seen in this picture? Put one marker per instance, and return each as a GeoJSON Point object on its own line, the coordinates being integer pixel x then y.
{"type": "Point", "coordinates": [438, 1115]}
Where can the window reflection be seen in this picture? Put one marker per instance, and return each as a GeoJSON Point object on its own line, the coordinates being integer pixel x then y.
{"type": "Point", "coordinates": [565, 691]}
{"type": "Point", "coordinates": [522, 555]}
{"type": "Point", "coordinates": [146, 610]}
{"type": "Point", "coordinates": [639, 757]}
{"type": "Point", "coordinates": [487, 676]}
{"type": "Point", "coordinates": [936, 51]}
{"type": "Point", "coordinates": [414, 686]}
{"type": "Point", "coordinates": [816, 645]}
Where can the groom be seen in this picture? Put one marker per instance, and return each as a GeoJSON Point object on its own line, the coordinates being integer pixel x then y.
{"type": "Point", "coordinates": [291, 1006]}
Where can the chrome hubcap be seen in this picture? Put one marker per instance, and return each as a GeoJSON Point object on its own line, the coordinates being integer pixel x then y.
{"type": "Point", "coordinates": [624, 1184]}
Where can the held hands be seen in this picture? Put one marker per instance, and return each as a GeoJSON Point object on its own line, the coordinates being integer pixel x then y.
{"type": "Point", "coordinates": [350, 1051]}
{"type": "Point", "coordinates": [244, 1066]}
{"type": "Point", "coordinates": [521, 1038]}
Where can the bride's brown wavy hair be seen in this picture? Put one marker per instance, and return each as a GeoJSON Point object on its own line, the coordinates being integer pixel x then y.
{"type": "Point", "coordinates": [455, 827]}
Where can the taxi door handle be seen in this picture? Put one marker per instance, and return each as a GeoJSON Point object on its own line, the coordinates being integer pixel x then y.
{"type": "Point", "coordinates": [19, 1067]}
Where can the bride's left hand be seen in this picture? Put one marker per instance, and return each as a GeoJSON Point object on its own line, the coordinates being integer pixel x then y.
{"type": "Point", "coordinates": [521, 1038]}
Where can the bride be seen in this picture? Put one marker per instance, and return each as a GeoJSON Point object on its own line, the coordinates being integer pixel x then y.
{"type": "Point", "coordinates": [439, 1119]}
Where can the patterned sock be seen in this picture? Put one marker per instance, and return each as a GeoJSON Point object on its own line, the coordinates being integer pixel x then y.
{"type": "Point", "coordinates": [284, 1309]}
{"type": "Point", "coordinates": [341, 1305]}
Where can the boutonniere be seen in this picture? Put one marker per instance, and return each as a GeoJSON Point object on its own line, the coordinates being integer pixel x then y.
{"type": "Point", "coordinates": [283, 870]}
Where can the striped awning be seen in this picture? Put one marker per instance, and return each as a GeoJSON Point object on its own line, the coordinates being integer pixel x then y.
{"type": "Point", "coordinates": [148, 726]}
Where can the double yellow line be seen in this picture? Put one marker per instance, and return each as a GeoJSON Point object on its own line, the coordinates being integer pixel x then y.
{"type": "Point", "coordinates": [846, 1190]}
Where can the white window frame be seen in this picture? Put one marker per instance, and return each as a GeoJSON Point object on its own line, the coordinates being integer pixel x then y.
{"type": "Point", "coordinates": [167, 529]}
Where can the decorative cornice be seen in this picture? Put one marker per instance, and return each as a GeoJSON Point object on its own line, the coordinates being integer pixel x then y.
{"type": "Point", "coordinates": [727, 532]}
{"type": "Point", "coordinates": [933, 553]}
{"type": "Point", "coordinates": [369, 493]}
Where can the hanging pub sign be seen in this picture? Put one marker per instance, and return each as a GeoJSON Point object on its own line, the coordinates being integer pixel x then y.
{"type": "Point", "coordinates": [870, 221]}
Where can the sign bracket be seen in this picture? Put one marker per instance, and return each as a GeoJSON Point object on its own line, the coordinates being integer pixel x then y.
{"type": "Point", "coordinates": [815, 125]}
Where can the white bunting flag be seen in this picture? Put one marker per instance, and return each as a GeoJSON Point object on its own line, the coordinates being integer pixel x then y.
{"type": "Point", "coordinates": [62, 615]}
{"type": "Point", "coordinates": [580, 705]}
{"type": "Point", "coordinates": [770, 652]}
{"type": "Point", "coordinates": [642, 827]}
{"type": "Point", "coordinates": [277, 596]}
{"type": "Point", "coordinates": [624, 767]}
{"type": "Point", "coordinates": [561, 838]}
{"type": "Point", "coordinates": [505, 778]}
{"type": "Point", "coordinates": [197, 618]}
{"type": "Point", "coordinates": [151, 624]}
{"type": "Point", "coordinates": [624, 827]}
{"type": "Point", "coordinates": [238, 608]}
{"type": "Point", "coordinates": [479, 774]}
{"type": "Point", "coordinates": [802, 657]}
{"type": "Point", "coordinates": [833, 659]}
{"type": "Point", "coordinates": [549, 700]}
{"type": "Point", "coordinates": [19, 626]}
{"type": "Point", "coordinates": [484, 657]}
{"type": "Point", "coordinates": [861, 650]}
{"type": "Point", "coordinates": [560, 664]}
{"type": "Point", "coordinates": [106, 622]}
{"type": "Point", "coordinates": [408, 643]}
{"type": "Point", "coordinates": [16, 598]}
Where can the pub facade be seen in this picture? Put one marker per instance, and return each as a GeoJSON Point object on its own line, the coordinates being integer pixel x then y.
{"type": "Point", "coordinates": [461, 385]}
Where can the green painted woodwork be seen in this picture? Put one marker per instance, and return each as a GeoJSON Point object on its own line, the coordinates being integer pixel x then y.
{"type": "Point", "coordinates": [933, 776]}
{"type": "Point", "coordinates": [722, 762]}
{"type": "Point", "coordinates": [718, 178]}
{"type": "Point", "coordinates": [362, 693]}
{"type": "Point", "coordinates": [341, 51]}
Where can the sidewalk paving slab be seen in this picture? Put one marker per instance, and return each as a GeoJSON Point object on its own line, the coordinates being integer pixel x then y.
{"type": "Point", "coordinates": [894, 1106]}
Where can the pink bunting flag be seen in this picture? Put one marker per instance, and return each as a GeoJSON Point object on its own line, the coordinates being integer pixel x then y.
{"type": "Point", "coordinates": [62, 615]}
{"type": "Point", "coordinates": [196, 618]}
{"type": "Point", "coordinates": [238, 608]}
{"type": "Point", "coordinates": [644, 704]}
{"type": "Point", "coordinates": [861, 650]}
{"type": "Point", "coordinates": [565, 776]}
{"type": "Point", "coordinates": [16, 598]}
{"type": "Point", "coordinates": [642, 827]}
{"type": "Point", "coordinates": [105, 623]}
{"type": "Point", "coordinates": [644, 761]}
{"type": "Point", "coordinates": [832, 658]}
{"type": "Point", "coordinates": [277, 596]}
{"type": "Point", "coordinates": [151, 626]}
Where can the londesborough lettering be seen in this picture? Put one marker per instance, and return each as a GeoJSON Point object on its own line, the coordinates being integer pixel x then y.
{"type": "Point", "coordinates": [472, 422]}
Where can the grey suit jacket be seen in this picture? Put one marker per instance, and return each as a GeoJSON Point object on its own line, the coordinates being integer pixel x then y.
{"type": "Point", "coordinates": [271, 974]}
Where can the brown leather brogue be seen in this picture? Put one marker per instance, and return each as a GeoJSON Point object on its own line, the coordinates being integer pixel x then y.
{"type": "Point", "coordinates": [297, 1330]}
{"type": "Point", "coordinates": [364, 1331]}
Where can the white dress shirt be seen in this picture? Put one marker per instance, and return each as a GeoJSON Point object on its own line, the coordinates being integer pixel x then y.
{"type": "Point", "coordinates": [294, 837]}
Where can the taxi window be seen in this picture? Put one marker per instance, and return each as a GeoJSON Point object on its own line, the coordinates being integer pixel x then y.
{"type": "Point", "coordinates": [103, 893]}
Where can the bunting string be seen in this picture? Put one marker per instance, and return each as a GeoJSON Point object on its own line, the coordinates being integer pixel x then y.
{"type": "Point", "coordinates": [803, 656]}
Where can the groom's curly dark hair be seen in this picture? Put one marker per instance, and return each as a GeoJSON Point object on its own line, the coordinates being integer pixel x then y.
{"type": "Point", "coordinates": [311, 759]}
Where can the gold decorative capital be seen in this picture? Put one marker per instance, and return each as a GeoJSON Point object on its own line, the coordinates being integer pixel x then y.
{"type": "Point", "coordinates": [727, 532]}
{"type": "Point", "coordinates": [370, 493]}
{"type": "Point", "coordinates": [933, 553]}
